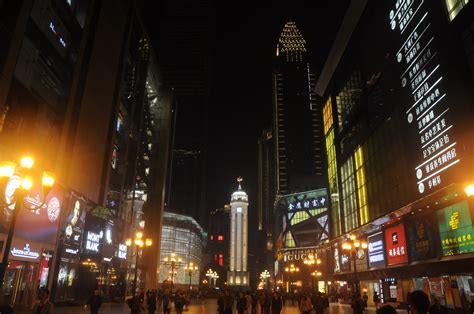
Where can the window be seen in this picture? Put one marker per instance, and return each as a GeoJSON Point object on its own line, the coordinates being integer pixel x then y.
{"type": "Point", "coordinates": [361, 185]}
{"type": "Point", "coordinates": [211, 237]}
{"type": "Point", "coordinates": [119, 122]}
{"type": "Point", "coordinates": [454, 7]}
{"type": "Point", "coordinates": [348, 97]}
{"type": "Point", "coordinates": [221, 260]}
{"type": "Point", "coordinates": [220, 238]}
{"type": "Point", "coordinates": [115, 153]}
{"type": "Point", "coordinates": [349, 195]}
{"type": "Point", "coordinates": [327, 115]}
{"type": "Point", "coordinates": [333, 183]}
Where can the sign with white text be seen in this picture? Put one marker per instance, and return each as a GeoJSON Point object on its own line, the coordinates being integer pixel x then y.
{"type": "Point", "coordinates": [376, 250]}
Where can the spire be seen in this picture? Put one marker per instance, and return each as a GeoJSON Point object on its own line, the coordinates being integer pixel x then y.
{"type": "Point", "coordinates": [291, 43]}
{"type": "Point", "coordinates": [239, 180]}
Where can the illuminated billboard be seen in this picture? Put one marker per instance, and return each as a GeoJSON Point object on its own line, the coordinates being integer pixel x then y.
{"type": "Point", "coordinates": [455, 229]}
{"type": "Point", "coordinates": [304, 218]}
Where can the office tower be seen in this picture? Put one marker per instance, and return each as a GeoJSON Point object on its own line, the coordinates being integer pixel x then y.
{"type": "Point", "coordinates": [297, 125]}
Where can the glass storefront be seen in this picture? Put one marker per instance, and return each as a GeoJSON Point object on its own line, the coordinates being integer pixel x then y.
{"type": "Point", "coordinates": [20, 285]}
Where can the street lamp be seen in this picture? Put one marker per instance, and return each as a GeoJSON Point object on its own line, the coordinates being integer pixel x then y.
{"type": "Point", "coordinates": [290, 270]}
{"type": "Point", "coordinates": [353, 247]}
{"type": "Point", "coordinates": [215, 276]}
{"type": "Point", "coordinates": [264, 275]}
{"type": "Point", "coordinates": [469, 189]}
{"type": "Point", "coordinates": [190, 268]}
{"type": "Point", "coordinates": [174, 262]}
{"type": "Point", "coordinates": [137, 241]}
{"type": "Point", "coordinates": [14, 199]}
{"type": "Point", "coordinates": [212, 275]}
{"type": "Point", "coordinates": [314, 274]}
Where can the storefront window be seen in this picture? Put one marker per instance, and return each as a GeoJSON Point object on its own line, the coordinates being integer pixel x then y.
{"type": "Point", "coordinates": [351, 220]}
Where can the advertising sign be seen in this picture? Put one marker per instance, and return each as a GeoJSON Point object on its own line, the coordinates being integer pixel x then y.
{"type": "Point", "coordinates": [25, 251]}
{"type": "Point", "coordinates": [427, 108]}
{"type": "Point", "coordinates": [376, 250]}
{"type": "Point", "coordinates": [305, 218]}
{"type": "Point", "coordinates": [455, 229]}
{"type": "Point", "coordinates": [337, 263]}
{"type": "Point", "coordinates": [38, 219]}
{"type": "Point", "coordinates": [420, 240]}
{"type": "Point", "coordinates": [94, 236]}
{"type": "Point", "coordinates": [74, 224]}
{"type": "Point", "coordinates": [395, 241]}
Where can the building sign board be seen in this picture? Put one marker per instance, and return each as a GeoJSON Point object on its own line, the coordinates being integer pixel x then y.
{"type": "Point", "coordinates": [396, 251]}
{"type": "Point", "coordinates": [455, 229]}
{"type": "Point", "coordinates": [376, 250]}
{"type": "Point", "coordinates": [420, 239]}
{"type": "Point", "coordinates": [427, 108]}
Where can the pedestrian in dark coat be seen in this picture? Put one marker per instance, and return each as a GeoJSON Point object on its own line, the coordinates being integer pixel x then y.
{"type": "Point", "coordinates": [94, 302]}
{"type": "Point", "coordinates": [151, 301]}
{"type": "Point", "coordinates": [277, 303]}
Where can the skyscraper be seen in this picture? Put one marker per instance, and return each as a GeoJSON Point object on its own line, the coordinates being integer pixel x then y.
{"type": "Point", "coordinates": [296, 117]}
{"type": "Point", "coordinates": [238, 274]}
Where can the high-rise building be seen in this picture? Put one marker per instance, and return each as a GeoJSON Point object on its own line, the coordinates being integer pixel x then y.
{"type": "Point", "coordinates": [185, 35]}
{"type": "Point", "coordinates": [266, 198]}
{"type": "Point", "coordinates": [238, 274]}
{"type": "Point", "coordinates": [297, 123]}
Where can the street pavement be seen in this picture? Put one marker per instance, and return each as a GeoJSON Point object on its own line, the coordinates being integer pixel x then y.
{"type": "Point", "coordinates": [208, 306]}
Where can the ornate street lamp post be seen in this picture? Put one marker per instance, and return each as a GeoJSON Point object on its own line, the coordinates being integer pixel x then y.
{"type": "Point", "coordinates": [137, 241]}
{"type": "Point", "coordinates": [15, 199]}
{"type": "Point", "coordinates": [353, 247]}
{"type": "Point", "coordinates": [190, 269]}
{"type": "Point", "coordinates": [264, 275]}
{"type": "Point", "coordinates": [312, 261]}
{"type": "Point", "coordinates": [173, 262]}
{"type": "Point", "coordinates": [290, 270]}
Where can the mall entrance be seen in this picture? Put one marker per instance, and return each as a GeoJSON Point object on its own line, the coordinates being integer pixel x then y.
{"type": "Point", "coordinates": [19, 287]}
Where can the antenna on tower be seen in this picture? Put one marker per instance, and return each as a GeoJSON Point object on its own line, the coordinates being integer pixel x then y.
{"type": "Point", "coordinates": [239, 180]}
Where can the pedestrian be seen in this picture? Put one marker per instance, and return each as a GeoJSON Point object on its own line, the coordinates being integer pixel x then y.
{"type": "Point", "coordinates": [267, 302]}
{"type": "Point", "coordinates": [365, 299]}
{"type": "Point", "coordinates": [420, 302]}
{"type": "Point", "coordinates": [357, 304]}
{"type": "Point", "coordinates": [248, 303]}
{"type": "Point", "coordinates": [151, 301]}
{"type": "Point", "coordinates": [228, 302]}
{"type": "Point", "coordinates": [376, 300]}
{"type": "Point", "coordinates": [135, 304]}
{"type": "Point", "coordinates": [42, 306]}
{"type": "Point", "coordinates": [220, 303]}
{"type": "Point", "coordinates": [386, 309]}
{"type": "Point", "coordinates": [277, 303]}
{"type": "Point", "coordinates": [305, 304]}
{"type": "Point", "coordinates": [437, 307]}
{"type": "Point", "coordinates": [254, 303]}
{"type": "Point", "coordinates": [179, 302]}
{"type": "Point", "coordinates": [318, 303]}
{"type": "Point", "coordinates": [241, 303]}
{"type": "Point", "coordinates": [94, 302]}
{"type": "Point", "coordinates": [166, 299]}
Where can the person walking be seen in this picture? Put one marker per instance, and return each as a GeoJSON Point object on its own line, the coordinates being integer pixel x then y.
{"type": "Point", "coordinates": [228, 302]}
{"type": "Point", "coordinates": [42, 306]}
{"type": "Point", "coordinates": [241, 303]}
{"type": "Point", "coordinates": [357, 304]}
{"type": "Point", "coordinates": [305, 304]}
{"type": "Point", "coordinates": [166, 300]}
{"type": "Point", "coordinates": [179, 302]}
{"type": "Point", "coordinates": [151, 301]}
{"type": "Point", "coordinates": [94, 302]}
{"type": "Point", "coordinates": [376, 300]}
{"type": "Point", "coordinates": [419, 302]}
{"type": "Point", "coordinates": [248, 303]}
{"type": "Point", "coordinates": [277, 303]}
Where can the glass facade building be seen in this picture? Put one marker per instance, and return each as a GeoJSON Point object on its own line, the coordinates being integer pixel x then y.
{"type": "Point", "coordinates": [183, 236]}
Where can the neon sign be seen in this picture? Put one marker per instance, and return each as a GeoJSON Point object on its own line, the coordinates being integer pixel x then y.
{"type": "Point", "coordinates": [26, 252]}
{"type": "Point", "coordinates": [52, 27]}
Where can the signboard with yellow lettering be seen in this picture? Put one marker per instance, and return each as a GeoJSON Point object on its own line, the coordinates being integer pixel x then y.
{"type": "Point", "coordinates": [455, 229]}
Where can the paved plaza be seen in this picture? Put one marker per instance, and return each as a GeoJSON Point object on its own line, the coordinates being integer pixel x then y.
{"type": "Point", "coordinates": [208, 306]}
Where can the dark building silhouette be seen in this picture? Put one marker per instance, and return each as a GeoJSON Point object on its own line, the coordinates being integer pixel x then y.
{"type": "Point", "coordinates": [297, 123]}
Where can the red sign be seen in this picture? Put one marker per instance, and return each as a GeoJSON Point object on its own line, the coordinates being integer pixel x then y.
{"type": "Point", "coordinates": [396, 245]}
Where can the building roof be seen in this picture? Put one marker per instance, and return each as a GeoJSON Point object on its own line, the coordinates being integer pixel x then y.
{"type": "Point", "coordinates": [240, 194]}
{"type": "Point", "coordinates": [290, 40]}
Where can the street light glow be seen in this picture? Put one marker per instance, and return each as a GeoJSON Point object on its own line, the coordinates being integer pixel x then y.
{"type": "Point", "coordinates": [48, 179]}
{"type": "Point", "coordinates": [7, 169]}
{"type": "Point", "coordinates": [27, 162]}
{"type": "Point", "coordinates": [26, 183]}
{"type": "Point", "coordinates": [469, 190]}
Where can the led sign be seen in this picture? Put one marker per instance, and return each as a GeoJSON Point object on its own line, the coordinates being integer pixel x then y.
{"type": "Point", "coordinates": [26, 252]}
{"type": "Point", "coordinates": [422, 78]}
{"type": "Point", "coordinates": [93, 241]}
{"type": "Point", "coordinates": [122, 252]}
{"type": "Point", "coordinates": [376, 250]}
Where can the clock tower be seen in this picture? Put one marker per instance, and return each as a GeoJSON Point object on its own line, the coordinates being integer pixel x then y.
{"type": "Point", "coordinates": [238, 274]}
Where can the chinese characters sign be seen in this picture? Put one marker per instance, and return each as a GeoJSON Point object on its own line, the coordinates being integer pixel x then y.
{"type": "Point", "coordinates": [420, 239]}
{"type": "Point", "coordinates": [422, 79]}
{"type": "Point", "coordinates": [396, 245]}
{"type": "Point", "coordinates": [376, 250]}
{"type": "Point", "coordinates": [455, 229]}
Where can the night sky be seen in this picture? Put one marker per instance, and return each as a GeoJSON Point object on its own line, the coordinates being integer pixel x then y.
{"type": "Point", "coordinates": [244, 44]}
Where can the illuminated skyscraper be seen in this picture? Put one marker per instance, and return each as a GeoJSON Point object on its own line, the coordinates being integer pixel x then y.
{"type": "Point", "coordinates": [238, 274]}
{"type": "Point", "coordinates": [297, 119]}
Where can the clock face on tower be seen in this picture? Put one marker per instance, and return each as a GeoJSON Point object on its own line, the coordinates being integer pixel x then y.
{"type": "Point", "coordinates": [239, 209]}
